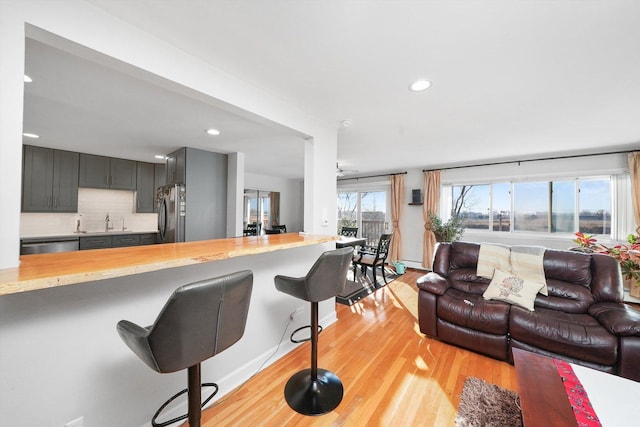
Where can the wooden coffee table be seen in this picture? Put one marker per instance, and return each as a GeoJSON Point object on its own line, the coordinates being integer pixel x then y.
{"type": "Point", "coordinates": [542, 395]}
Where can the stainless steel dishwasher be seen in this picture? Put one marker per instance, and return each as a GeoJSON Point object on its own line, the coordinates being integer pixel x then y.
{"type": "Point", "coordinates": [49, 245]}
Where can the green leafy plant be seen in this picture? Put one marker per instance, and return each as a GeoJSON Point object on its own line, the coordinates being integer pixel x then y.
{"type": "Point", "coordinates": [446, 231]}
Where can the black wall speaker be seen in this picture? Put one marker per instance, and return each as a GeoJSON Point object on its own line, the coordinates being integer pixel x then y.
{"type": "Point", "coordinates": [416, 197]}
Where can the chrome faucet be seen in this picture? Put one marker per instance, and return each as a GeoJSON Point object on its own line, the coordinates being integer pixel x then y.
{"type": "Point", "coordinates": [106, 223]}
{"type": "Point", "coordinates": [123, 227]}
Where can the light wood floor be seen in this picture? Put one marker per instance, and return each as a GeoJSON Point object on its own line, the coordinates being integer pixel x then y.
{"type": "Point", "coordinates": [392, 374]}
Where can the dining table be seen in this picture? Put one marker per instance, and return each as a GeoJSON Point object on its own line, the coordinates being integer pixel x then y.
{"type": "Point", "coordinates": [345, 241]}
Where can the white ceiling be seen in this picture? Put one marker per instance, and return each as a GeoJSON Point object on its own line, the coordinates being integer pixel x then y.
{"type": "Point", "coordinates": [107, 108]}
{"type": "Point", "coordinates": [510, 79]}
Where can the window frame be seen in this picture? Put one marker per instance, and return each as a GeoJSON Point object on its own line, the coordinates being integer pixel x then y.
{"type": "Point", "coordinates": [618, 220]}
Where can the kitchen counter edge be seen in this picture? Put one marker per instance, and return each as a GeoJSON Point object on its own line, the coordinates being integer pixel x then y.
{"type": "Point", "coordinates": [41, 271]}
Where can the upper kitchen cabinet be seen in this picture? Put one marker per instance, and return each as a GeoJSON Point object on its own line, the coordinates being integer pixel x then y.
{"type": "Point", "coordinates": [107, 172]}
{"type": "Point", "coordinates": [176, 171]}
{"type": "Point", "coordinates": [160, 175]}
{"type": "Point", "coordinates": [123, 174]}
{"type": "Point", "coordinates": [49, 180]}
{"type": "Point", "coordinates": [146, 187]}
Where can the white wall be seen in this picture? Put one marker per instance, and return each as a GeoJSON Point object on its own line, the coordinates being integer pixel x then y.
{"type": "Point", "coordinates": [291, 197]}
{"type": "Point", "coordinates": [60, 353]}
{"type": "Point", "coordinates": [412, 222]}
{"type": "Point", "coordinates": [235, 194]}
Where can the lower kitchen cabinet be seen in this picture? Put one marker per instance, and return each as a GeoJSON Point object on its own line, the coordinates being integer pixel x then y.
{"type": "Point", "coordinates": [125, 240]}
{"type": "Point", "coordinates": [148, 239]}
{"type": "Point", "coordinates": [95, 242]}
{"type": "Point", "coordinates": [117, 240]}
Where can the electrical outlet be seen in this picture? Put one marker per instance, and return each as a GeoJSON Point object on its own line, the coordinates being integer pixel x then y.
{"type": "Point", "coordinates": [78, 422]}
{"type": "Point", "coordinates": [295, 312]}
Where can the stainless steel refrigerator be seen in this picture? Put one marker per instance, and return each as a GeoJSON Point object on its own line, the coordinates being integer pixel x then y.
{"type": "Point", "coordinates": [171, 203]}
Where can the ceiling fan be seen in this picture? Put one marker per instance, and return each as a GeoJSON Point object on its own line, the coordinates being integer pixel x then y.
{"type": "Point", "coordinates": [342, 172]}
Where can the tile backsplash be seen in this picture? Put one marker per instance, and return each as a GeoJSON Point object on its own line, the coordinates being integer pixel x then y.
{"type": "Point", "coordinates": [93, 206]}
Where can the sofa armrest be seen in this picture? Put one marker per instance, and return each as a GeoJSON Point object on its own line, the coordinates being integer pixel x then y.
{"type": "Point", "coordinates": [434, 283]}
{"type": "Point", "coordinates": [618, 318]}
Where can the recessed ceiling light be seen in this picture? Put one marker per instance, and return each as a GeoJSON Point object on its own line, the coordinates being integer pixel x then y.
{"type": "Point", "coordinates": [213, 131]}
{"type": "Point", "coordinates": [346, 123]}
{"type": "Point", "coordinates": [420, 85]}
{"type": "Point", "coordinates": [31, 135]}
{"type": "Point", "coordinates": [160, 156]}
{"type": "Point", "coordinates": [27, 79]}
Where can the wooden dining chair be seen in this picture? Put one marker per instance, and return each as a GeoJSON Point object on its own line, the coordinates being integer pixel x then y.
{"type": "Point", "coordinates": [349, 231]}
{"type": "Point", "coordinates": [373, 256]}
{"type": "Point", "coordinates": [252, 229]}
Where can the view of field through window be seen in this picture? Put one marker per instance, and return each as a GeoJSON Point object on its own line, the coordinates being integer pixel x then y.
{"type": "Point", "coordinates": [562, 206]}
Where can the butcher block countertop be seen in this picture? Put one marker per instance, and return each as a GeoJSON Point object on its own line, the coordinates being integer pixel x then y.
{"type": "Point", "coordinates": [42, 271]}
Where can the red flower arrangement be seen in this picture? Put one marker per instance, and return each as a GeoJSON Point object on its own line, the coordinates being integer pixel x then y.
{"type": "Point", "coordinates": [628, 255]}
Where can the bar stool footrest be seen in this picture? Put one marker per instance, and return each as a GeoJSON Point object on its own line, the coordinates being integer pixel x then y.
{"type": "Point", "coordinates": [155, 423]}
{"type": "Point", "coordinates": [298, 341]}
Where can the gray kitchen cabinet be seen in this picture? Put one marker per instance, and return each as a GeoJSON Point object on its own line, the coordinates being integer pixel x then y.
{"type": "Point", "coordinates": [123, 174]}
{"type": "Point", "coordinates": [49, 180]}
{"type": "Point", "coordinates": [148, 239]}
{"type": "Point", "coordinates": [160, 175]}
{"type": "Point", "coordinates": [94, 171]}
{"type": "Point", "coordinates": [107, 172]}
{"type": "Point", "coordinates": [145, 187]}
{"type": "Point", "coordinates": [123, 240]}
{"type": "Point", "coordinates": [176, 172]}
{"type": "Point", "coordinates": [95, 242]}
{"type": "Point", "coordinates": [115, 240]}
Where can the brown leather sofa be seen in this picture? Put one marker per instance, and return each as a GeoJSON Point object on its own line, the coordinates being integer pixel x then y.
{"type": "Point", "coordinates": [583, 319]}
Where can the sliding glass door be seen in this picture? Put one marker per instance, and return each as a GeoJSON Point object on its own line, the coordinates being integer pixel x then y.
{"type": "Point", "coordinates": [368, 210]}
{"type": "Point", "coordinates": [257, 209]}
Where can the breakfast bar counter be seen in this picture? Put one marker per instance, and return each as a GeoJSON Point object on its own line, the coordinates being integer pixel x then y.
{"type": "Point", "coordinates": [59, 311]}
{"type": "Point", "coordinates": [42, 271]}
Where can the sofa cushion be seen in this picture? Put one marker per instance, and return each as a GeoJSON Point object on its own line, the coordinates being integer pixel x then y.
{"type": "Point", "coordinates": [465, 279]}
{"type": "Point", "coordinates": [510, 288]}
{"type": "Point", "coordinates": [464, 255]}
{"type": "Point", "coordinates": [576, 335]}
{"type": "Point", "coordinates": [473, 312]}
{"type": "Point", "coordinates": [573, 267]}
{"type": "Point", "coordinates": [566, 296]}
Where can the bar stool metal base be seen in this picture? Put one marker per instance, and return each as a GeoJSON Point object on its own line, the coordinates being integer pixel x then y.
{"type": "Point", "coordinates": [309, 397]}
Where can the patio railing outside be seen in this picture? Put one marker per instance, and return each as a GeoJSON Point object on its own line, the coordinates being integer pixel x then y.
{"type": "Point", "coordinates": [372, 230]}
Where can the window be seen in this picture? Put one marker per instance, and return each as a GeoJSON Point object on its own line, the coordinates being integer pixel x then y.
{"type": "Point", "coordinates": [595, 207]}
{"type": "Point", "coordinates": [367, 210]}
{"type": "Point", "coordinates": [530, 206]}
{"type": "Point", "coordinates": [561, 206]}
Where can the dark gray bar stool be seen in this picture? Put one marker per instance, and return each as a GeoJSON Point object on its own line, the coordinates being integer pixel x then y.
{"type": "Point", "coordinates": [198, 321]}
{"type": "Point", "coordinates": [316, 391]}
